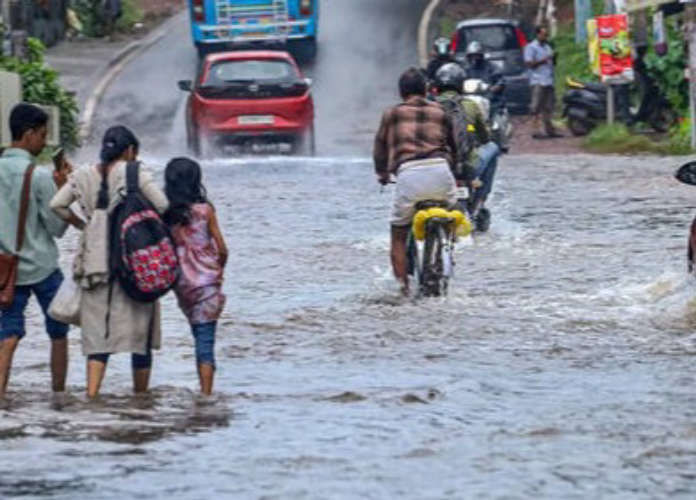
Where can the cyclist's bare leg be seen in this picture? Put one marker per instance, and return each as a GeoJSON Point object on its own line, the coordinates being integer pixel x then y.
{"type": "Point", "coordinates": [399, 237]}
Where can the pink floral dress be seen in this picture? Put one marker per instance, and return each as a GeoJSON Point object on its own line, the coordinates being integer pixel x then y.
{"type": "Point", "coordinates": [199, 289]}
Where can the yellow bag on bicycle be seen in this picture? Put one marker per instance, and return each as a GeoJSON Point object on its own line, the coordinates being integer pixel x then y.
{"type": "Point", "coordinates": [460, 222]}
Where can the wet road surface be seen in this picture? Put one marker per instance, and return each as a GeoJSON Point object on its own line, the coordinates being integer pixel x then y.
{"type": "Point", "coordinates": [561, 366]}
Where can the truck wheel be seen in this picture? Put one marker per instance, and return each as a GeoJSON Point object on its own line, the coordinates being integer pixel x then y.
{"type": "Point", "coordinates": [304, 51]}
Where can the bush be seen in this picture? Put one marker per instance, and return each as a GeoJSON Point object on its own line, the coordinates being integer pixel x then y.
{"type": "Point", "coordinates": [94, 21]}
{"type": "Point", "coordinates": [572, 59]}
{"type": "Point", "coordinates": [668, 72]}
{"type": "Point", "coordinates": [130, 16]}
{"type": "Point", "coordinates": [40, 86]}
{"type": "Point", "coordinates": [619, 139]}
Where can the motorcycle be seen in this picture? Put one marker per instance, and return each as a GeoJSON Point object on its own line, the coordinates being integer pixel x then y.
{"type": "Point", "coordinates": [494, 110]}
{"type": "Point", "coordinates": [585, 106]}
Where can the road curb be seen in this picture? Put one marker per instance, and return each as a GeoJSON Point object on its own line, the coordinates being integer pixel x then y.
{"type": "Point", "coordinates": [423, 31]}
{"type": "Point", "coordinates": [115, 67]}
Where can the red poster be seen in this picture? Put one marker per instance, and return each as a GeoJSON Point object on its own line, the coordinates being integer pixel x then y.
{"type": "Point", "coordinates": [615, 60]}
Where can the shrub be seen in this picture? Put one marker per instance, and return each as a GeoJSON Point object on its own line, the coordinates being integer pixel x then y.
{"type": "Point", "coordinates": [40, 86]}
{"type": "Point", "coordinates": [94, 22]}
{"type": "Point", "coordinates": [668, 72]}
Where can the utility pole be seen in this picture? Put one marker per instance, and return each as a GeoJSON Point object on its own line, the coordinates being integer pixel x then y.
{"type": "Point", "coordinates": [541, 12]}
{"type": "Point", "coordinates": [583, 11]}
{"type": "Point", "coordinates": [691, 37]}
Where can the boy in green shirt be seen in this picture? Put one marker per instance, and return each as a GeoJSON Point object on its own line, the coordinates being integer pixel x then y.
{"type": "Point", "coordinates": [38, 271]}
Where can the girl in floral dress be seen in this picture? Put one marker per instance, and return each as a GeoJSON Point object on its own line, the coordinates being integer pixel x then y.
{"type": "Point", "coordinates": [202, 256]}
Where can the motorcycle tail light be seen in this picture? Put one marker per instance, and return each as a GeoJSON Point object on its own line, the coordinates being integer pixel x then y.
{"type": "Point", "coordinates": [306, 7]}
{"type": "Point", "coordinates": [198, 11]}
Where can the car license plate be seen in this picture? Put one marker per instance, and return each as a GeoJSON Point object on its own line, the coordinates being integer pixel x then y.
{"type": "Point", "coordinates": [256, 120]}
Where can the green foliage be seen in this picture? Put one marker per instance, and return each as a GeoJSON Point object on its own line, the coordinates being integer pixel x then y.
{"type": "Point", "coordinates": [130, 16]}
{"type": "Point", "coordinates": [680, 138]}
{"type": "Point", "coordinates": [619, 139]}
{"type": "Point", "coordinates": [40, 86]}
{"type": "Point", "coordinates": [572, 60]}
{"type": "Point", "coordinates": [95, 22]}
{"type": "Point", "coordinates": [668, 72]}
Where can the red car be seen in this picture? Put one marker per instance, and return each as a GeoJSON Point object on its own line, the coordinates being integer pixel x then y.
{"type": "Point", "coordinates": [251, 101]}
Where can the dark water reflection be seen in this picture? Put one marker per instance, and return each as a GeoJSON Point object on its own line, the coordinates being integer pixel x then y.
{"type": "Point", "coordinates": [562, 366]}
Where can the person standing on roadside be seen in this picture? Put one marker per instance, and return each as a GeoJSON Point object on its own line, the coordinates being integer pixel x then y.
{"type": "Point", "coordinates": [540, 59]}
{"type": "Point", "coordinates": [38, 272]}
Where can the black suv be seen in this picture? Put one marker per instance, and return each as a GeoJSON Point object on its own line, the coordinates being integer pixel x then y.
{"type": "Point", "coordinates": [503, 41]}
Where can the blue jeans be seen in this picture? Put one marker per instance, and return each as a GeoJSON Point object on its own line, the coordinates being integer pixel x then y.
{"type": "Point", "coordinates": [485, 170]}
{"type": "Point", "coordinates": [12, 319]}
{"type": "Point", "coordinates": [204, 335]}
{"type": "Point", "coordinates": [138, 361]}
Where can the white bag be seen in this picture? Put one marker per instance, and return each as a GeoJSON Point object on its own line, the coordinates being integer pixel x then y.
{"type": "Point", "coordinates": [65, 306]}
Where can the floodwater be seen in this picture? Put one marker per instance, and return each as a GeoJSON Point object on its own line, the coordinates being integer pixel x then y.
{"type": "Point", "coordinates": [561, 366]}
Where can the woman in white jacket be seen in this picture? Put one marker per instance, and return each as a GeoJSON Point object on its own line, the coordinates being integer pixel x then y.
{"type": "Point", "coordinates": [111, 321]}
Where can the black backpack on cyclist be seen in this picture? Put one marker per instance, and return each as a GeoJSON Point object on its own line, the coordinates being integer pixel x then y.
{"type": "Point", "coordinates": [142, 252]}
{"type": "Point", "coordinates": [462, 131]}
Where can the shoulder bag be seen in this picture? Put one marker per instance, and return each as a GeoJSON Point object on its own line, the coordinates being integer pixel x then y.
{"type": "Point", "coordinates": [9, 263]}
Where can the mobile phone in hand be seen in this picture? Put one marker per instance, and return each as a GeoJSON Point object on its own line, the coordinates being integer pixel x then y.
{"type": "Point", "coordinates": [58, 159]}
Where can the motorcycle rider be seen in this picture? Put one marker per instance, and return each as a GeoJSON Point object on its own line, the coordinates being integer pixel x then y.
{"type": "Point", "coordinates": [477, 67]}
{"type": "Point", "coordinates": [442, 56]}
{"type": "Point", "coordinates": [483, 156]}
{"type": "Point", "coordinates": [415, 143]}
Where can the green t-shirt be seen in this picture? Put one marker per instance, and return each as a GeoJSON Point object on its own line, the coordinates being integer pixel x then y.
{"type": "Point", "coordinates": [39, 255]}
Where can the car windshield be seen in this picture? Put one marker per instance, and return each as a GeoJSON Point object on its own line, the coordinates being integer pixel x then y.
{"type": "Point", "coordinates": [249, 71]}
{"type": "Point", "coordinates": [493, 38]}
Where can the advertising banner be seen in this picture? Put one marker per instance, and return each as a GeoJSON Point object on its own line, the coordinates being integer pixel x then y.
{"type": "Point", "coordinates": [615, 59]}
{"type": "Point", "coordinates": [593, 46]}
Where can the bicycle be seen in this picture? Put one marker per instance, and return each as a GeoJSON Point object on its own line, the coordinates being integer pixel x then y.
{"type": "Point", "coordinates": [433, 266]}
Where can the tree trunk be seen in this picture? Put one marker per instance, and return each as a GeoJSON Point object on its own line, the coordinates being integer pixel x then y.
{"type": "Point", "coordinates": [541, 12]}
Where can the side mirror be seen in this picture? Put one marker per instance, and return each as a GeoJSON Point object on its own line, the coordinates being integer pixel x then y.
{"type": "Point", "coordinates": [186, 85]}
{"type": "Point", "coordinates": [687, 173]}
{"type": "Point", "coordinates": [308, 82]}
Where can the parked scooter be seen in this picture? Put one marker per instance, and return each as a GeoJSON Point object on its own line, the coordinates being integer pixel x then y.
{"type": "Point", "coordinates": [585, 107]}
{"type": "Point", "coordinates": [495, 111]}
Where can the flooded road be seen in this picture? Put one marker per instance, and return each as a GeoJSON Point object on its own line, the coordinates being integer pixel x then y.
{"type": "Point", "coordinates": [561, 366]}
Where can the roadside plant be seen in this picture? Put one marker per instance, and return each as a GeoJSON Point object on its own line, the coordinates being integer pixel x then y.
{"type": "Point", "coordinates": [40, 86]}
{"type": "Point", "coordinates": [668, 71]}
{"type": "Point", "coordinates": [94, 19]}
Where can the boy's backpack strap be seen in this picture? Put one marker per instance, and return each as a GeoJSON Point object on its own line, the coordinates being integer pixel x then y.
{"type": "Point", "coordinates": [132, 176]}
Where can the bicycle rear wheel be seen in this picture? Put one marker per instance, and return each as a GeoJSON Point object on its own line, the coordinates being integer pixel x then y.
{"type": "Point", "coordinates": [432, 261]}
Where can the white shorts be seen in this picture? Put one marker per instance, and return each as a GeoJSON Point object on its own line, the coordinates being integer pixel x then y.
{"type": "Point", "coordinates": [421, 180]}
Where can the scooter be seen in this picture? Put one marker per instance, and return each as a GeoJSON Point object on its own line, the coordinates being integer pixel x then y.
{"type": "Point", "coordinates": [585, 107]}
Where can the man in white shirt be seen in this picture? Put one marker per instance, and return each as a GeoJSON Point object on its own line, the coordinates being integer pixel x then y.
{"type": "Point", "coordinates": [539, 57]}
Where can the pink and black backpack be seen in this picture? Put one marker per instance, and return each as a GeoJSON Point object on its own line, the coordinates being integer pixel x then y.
{"type": "Point", "coordinates": [142, 252]}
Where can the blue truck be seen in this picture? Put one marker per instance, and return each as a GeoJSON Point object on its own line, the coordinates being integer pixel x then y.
{"type": "Point", "coordinates": [218, 25]}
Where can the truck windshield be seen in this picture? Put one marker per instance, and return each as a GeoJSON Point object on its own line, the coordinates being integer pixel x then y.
{"type": "Point", "coordinates": [249, 71]}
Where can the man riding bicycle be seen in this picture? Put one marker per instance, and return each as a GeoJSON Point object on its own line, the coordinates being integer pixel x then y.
{"type": "Point", "coordinates": [481, 152]}
{"type": "Point", "coordinates": [415, 143]}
